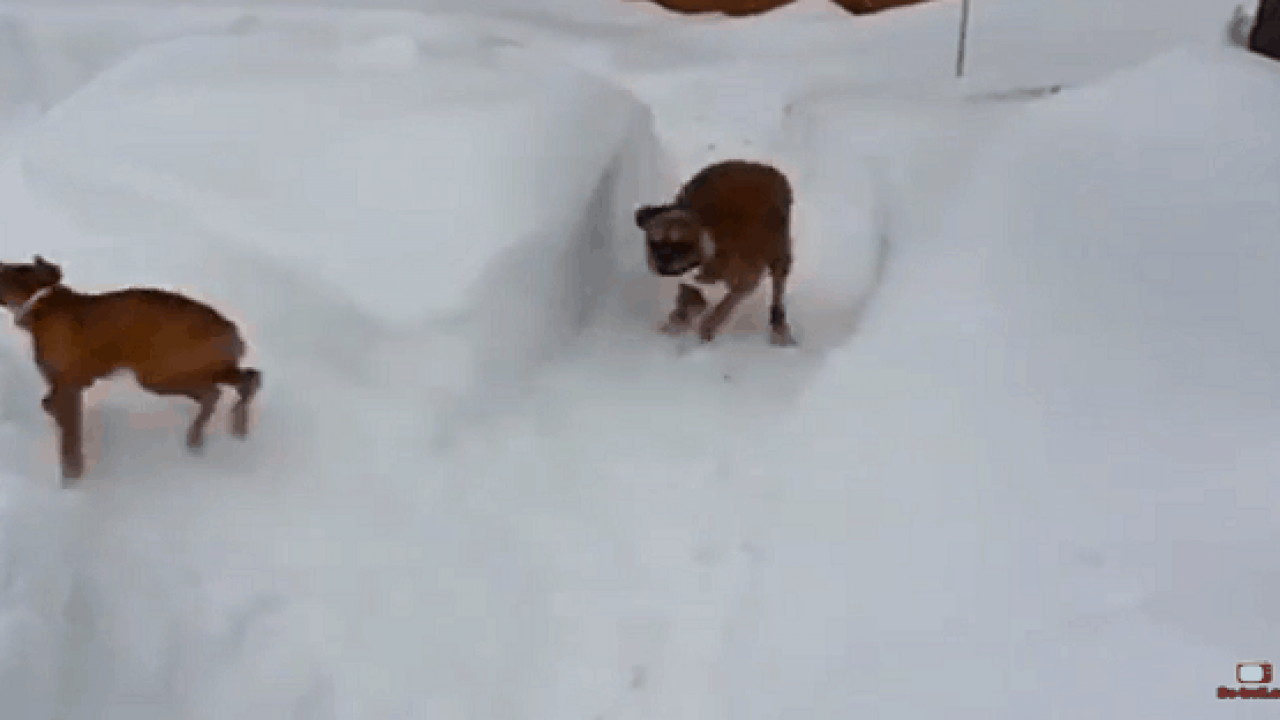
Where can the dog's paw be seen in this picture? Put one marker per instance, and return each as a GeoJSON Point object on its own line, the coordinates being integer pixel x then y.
{"type": "Point", "coordinates": [72, 471]}
{"type": "Point", "coordinates": [240, 422]}
{"type": "Point", "coordinates": [674, 328]}
{"type": "Point", "coordinates": [782, 337]}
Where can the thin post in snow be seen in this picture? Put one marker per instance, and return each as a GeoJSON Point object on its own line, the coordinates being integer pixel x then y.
{"type": "Point", "coordinates": [964, 35]}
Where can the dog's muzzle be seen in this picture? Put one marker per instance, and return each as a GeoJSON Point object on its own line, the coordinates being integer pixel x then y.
{"type": "Point", "coordinates": [670, 261]}
{"type": "Point", "coordinates": [671, 271]}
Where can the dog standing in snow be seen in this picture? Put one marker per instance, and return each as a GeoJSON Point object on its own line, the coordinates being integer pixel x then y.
{"type": "Point", "coordinates": [172, 344]}
{"type": "Point", "coordinates": [730, 223]}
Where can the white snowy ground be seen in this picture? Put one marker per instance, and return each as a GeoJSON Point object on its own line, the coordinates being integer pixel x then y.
{"type": "Point", "coordinates": [1030, 478]}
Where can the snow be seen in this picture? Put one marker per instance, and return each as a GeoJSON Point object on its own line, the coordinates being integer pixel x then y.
{"type": "Point", "coordinates": [1018, 467]}
{"type": "Point", "coordinates": [1079, 428]}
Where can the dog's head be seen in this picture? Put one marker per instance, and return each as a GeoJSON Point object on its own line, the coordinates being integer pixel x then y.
{"type": "Point", "coordinates": [677, 242]}
{"type": "Point", "coordinates": [19, 281]}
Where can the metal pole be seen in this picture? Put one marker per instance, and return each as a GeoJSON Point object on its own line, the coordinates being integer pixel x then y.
{"type": "Point", "coordinates": [964, 34]}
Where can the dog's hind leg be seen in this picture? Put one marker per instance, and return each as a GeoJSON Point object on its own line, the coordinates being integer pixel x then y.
{"type": "Point", "coordinates": [207, 399]}
{"type": "Point", "coordinates": [247, 387]}
{"type": "Point", "coordinates": [205, 394]}
{"type": "Point", "coordinates": [779, 329]}
{"type": "Point", "coordinates": [246, 382]}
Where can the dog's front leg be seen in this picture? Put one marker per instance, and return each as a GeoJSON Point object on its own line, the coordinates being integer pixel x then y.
{"type": "Point", "coordinates": [65, 402]}
{"type": "Point", "coordinates": [689, 304]}
{"type": "Point", "coordinates": [742, 282]}
{"type": "Point", "coordinates": [715, 319]}
{"type": "Point", "coordinates": [49, 377]}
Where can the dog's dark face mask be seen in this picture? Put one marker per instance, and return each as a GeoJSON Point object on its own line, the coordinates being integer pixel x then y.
{"type": "Point", "coordinates": [18, 282]}
{"type": "Point", "coordinates": [675, 242]}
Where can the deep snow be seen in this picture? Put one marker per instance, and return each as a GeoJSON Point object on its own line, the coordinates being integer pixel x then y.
{"type": "Point", "coordinates": [1018, 468]}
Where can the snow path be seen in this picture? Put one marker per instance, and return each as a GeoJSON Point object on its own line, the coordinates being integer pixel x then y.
{"type": "Point", "coordinates": [700, 418]}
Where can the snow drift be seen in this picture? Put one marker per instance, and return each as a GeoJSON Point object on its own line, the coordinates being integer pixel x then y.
{"type": "Point", "coordinates": [1064, 500]}
{"type": "Point", "coordinates": [867, 194]}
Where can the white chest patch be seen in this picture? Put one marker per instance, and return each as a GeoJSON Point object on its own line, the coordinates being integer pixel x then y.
{"type": "Point", "coordinates": [691, 278]}
{"type": "Point", "coordinates": [713, 291]}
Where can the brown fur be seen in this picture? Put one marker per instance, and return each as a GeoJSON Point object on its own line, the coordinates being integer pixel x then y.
{"type": "Point", "coordinates": [172, 344]}
{"type": "Point", "coordinates": [744, 208]}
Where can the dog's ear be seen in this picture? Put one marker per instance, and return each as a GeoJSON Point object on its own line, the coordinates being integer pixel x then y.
{"type": "Point", "coordinates": [645, 213]}
{"type": "Point", "coordinates": [46, 272]}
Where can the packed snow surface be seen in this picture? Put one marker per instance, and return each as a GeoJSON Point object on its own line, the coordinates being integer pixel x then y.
{"type": "Point", "coordinates": [1020, 465]}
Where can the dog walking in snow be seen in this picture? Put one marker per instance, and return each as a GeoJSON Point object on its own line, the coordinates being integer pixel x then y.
{"type": "Point", "coordinates": [730, 223]}
{"type": "Point", "coordinates": [172, 344]}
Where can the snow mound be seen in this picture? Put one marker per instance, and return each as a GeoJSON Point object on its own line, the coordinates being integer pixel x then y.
{"type": "Point", "coordinates": [479, 199]}
{"type": "Point", "coordinates": [874, 175]}
{"type": "Point", "coordinates": [1132, 256]}
{"type": "Point", "coordinates": [1150, 200]}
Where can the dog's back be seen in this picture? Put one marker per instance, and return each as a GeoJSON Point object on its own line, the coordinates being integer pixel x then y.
{"type": "Point", "coordinates": [160, 335]}
{"type": "Point", "coordinates": [739, 194]}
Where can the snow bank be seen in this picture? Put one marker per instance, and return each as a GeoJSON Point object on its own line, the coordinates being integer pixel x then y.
{"type": "Point", "coordinates": [1068, 495]}
{"type": "Point", "coordinates": [477, 197]}
{"type": "Point", "coordinates": [1022, 42]}
{"type": "Point", "coordinates": [1141, 319]}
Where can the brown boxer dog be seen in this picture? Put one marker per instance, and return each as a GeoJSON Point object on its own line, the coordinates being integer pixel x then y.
{"type": "Point", "coordinates": [729, 224]}
{"type": "Point", "coordinates": [172, 344]}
